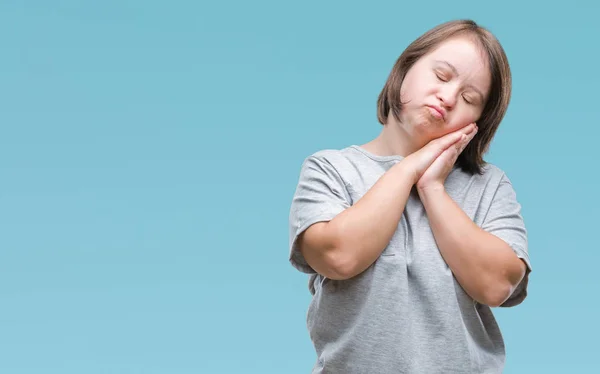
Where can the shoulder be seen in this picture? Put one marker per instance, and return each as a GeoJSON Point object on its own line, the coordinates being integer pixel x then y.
{"type": "Point", "coordinates": [342, 166]}
{"type": "Point", "coordinates": [330, 154]}
{"type": "Point", "coordinates": [340, 160]}
{"type": "Point", "coordinates": [485, 183]}
{"type": "Point", "coordinates": [490, 173]}
{"type": "Point", "coordinates": [494, 173]}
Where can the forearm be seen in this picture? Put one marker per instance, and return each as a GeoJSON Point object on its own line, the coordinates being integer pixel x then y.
{"type": "Point", "coordinates": [366, 228]}
{"type": "Point", "coordinates": [484, 265]}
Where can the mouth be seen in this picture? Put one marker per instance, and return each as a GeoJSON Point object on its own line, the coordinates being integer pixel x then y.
{"type": "Point", "coordinates": [437, 112]}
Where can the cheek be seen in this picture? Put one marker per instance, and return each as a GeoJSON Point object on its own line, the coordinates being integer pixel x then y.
{"type": "Point", "coordinates": [404, 91]}
{"type": "Point", "coordinates": [410, 92]}
{"type": "Point", "coordinates": [465, 117]}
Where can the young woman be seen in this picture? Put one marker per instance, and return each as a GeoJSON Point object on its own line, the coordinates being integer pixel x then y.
{"type": "Point", "coordinates": [411, 238]}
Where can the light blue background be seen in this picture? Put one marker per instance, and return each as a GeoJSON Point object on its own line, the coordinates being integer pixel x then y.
{"type": "Point", "coordinates": [149, 152]}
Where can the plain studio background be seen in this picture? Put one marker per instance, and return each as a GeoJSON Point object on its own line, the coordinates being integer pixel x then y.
{"type": "Point", "coordinates": [150, 150]}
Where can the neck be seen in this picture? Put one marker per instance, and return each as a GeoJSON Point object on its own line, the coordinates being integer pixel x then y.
{"type": "Point", "coordinates": [394, 139]}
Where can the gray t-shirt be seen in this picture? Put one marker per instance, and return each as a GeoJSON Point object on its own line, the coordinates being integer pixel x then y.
{"type": "Point", "coordinates": [406, 313]}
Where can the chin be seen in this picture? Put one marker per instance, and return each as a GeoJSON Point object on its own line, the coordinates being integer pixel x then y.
{"type": "Point", "coordinates": [428, 125]}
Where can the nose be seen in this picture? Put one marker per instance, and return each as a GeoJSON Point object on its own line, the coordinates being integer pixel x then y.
{"type": "Point", "coordinates": [447, 95]}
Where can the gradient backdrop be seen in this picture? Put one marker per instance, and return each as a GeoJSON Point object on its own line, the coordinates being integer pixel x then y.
{"type": "Point", "coordinates": [149, 152]}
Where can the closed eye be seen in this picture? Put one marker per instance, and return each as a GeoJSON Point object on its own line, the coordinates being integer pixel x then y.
{"type": "Point", "coordinates": [441, 76]}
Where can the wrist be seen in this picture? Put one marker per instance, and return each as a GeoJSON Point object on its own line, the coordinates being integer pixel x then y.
{"type": "Point", "coordinates": [405, 171]}
{"type": "Point", "coordinates": [431, 189]}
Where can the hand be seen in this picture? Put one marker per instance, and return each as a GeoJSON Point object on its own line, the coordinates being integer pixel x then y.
{"type": "Point", "coordinates": [419, 161]}
{"type": "Point", "coordinates": [436, 174]}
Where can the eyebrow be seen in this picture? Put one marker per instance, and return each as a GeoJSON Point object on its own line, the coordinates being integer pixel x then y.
{"type": "Point", "coordinates": [453, 68]}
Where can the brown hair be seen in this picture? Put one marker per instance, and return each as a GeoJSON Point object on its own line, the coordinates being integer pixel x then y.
{"type": "Point", "coordinates": [471, 159]}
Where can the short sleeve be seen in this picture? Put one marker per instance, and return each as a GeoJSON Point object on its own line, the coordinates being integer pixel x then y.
{"type": "Point", "coordinates": [320, 195]}
{"type": "Point", "coordinates": [505, 221]}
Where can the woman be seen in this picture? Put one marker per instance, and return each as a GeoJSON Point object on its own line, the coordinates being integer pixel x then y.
{"type": "Point", "coordinates": [411, 238]}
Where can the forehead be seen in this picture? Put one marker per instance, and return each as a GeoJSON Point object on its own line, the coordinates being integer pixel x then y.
{"type": "Point", "coordinates": [460, 50]}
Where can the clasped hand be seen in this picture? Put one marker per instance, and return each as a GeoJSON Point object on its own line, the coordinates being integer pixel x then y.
{"type": "Point", "coordinates": [432, 163]}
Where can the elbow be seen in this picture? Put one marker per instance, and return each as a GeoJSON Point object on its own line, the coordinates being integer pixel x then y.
{"type": "Point", "coordinates": [339, 260]}
{"type": "Point", "coordinates": [502, 287]}
{"type": "Point", "coordinates": [340, 266]}
{"type": "Point", "coordinates": [326, 254]}
{"type": "Point", "coordinates": [495, 296]}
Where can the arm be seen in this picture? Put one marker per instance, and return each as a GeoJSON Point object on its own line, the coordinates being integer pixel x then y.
{"type": "Point", "coordinates": [348, 244]}
{"type": "Point", "coordinates": [484, 265]}
{"type": "Point", "coordinates": [481, 259]}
